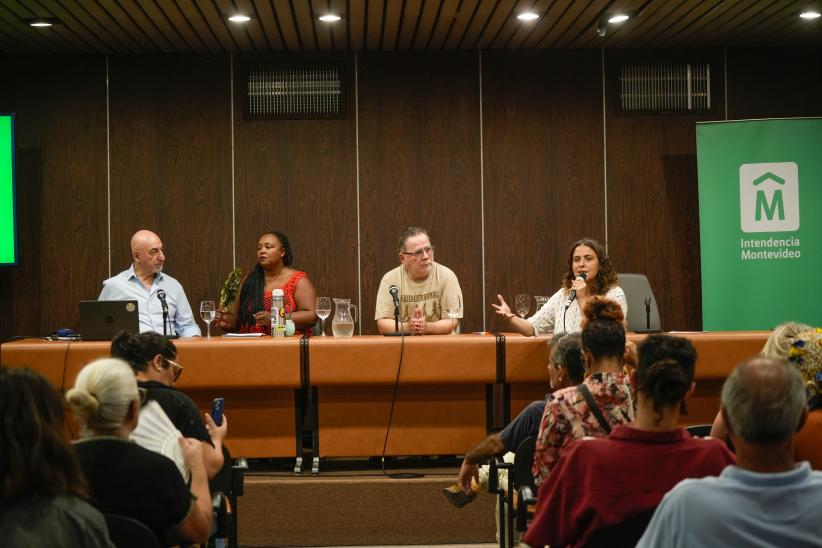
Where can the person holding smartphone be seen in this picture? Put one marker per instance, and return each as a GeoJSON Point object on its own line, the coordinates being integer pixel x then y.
{"type": "Point", "coordinates": [152, 357]}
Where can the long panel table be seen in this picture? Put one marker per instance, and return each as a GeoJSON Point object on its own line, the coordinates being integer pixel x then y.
{"type": "Point", "coordinates": [442, 398]}
{"type": "Point", "coordinates": [259, 379]}
{"type": "Point", "coordinates": [444, 391]}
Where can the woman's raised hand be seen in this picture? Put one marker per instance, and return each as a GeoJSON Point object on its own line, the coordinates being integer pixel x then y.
{"type": "Point", "coordinates": [502, 308]}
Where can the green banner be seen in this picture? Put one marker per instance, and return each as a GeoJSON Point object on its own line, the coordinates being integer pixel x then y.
{"type": "Point", "coordinates": [760, 222]}
{"type": "Point", "coordinates": [8, 236]}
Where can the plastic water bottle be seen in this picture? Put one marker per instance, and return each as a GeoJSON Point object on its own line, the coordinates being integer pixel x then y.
{"type": "Point", "coordinates": [277, 314]}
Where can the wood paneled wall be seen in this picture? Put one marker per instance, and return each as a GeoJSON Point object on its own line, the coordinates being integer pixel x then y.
{"type": "Point", "coordinates": [530, 158]}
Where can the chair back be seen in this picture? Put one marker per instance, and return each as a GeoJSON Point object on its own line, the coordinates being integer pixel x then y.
{"type": "Point", "coordinates": [625, 534]}
{"type": "Point", "coordinates": [523, 459]}
{"type": "Point", "coordinates": [127, 532]}
{"type": "Point", "coordinates": [699, 430]}
{"type": "Point", "coordinates": [643, 313]}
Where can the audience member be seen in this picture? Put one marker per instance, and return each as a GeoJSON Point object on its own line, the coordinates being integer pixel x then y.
{"type": "Point", "coordinates": [805, 355]}
{"type": "Point", "coordinates": [125, 478]}
{"type": "Point", "coordinates": [152, 358]}
{"type": "Point", "coordinates": [565, 368]}
{"type": "Point", "coordinates": [42, 488]}
{"type": "Point", "coordinates": [424, 289]}
{"type": "Point", "coordinates": [767, 498]}
{"type": "Point", "coordinates": [587, 258]}
{"type": "Point", "coordinates": [599, 484]}
{"type": "Point", "coordinates": [154, 291]}
{"type": "Point", "coordinates": [568, 416]}
{"type": "Point", "coordinates": [777, 346]}
{"type": "Point", "coordinates": [252, 311]}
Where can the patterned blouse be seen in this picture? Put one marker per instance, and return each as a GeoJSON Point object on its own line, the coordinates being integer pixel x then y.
{"type": "Point", "coordinates": [567, 417]}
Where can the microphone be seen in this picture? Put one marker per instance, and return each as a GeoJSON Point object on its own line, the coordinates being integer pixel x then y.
{"type": "Point", "coordinates": [394, 295]}
{"type": "Point", "coordinates": [582, 276]}
{"type": "Point", "coordinates": [162, 296]}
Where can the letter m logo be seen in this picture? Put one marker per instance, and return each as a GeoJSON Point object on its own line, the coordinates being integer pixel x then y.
{"type": "Point", "coordinates": [762, 199]}
{"type": "Point", "coordinates": [769, 197]}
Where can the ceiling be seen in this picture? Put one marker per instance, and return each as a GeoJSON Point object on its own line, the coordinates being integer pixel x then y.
{"type": "Point", "coordinates": [199, 26]}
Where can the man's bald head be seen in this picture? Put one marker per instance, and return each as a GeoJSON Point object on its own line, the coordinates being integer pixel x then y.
{"type": "Point", "coordinates": [147, 252]}
{"type": "Point", "coordinates": [763, 400]}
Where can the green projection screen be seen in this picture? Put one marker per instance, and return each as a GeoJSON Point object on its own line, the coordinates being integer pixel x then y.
{"type": "Point", "coordinates": [8, 220]}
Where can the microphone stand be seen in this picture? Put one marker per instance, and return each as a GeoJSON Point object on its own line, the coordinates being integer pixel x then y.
{"type": "Point", "coordinates": [397, 332]}
{"type": "Point", "coordinates": [648, 313]}
{"type": "Point", "coordinates": [165, 321]}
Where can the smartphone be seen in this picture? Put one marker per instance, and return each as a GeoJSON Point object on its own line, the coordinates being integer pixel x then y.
{"type": "Point", "coordinates": [217, 410]}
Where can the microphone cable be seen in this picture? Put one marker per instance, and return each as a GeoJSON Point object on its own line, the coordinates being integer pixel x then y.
{"type": "Point", "coordinates": [399, 475]}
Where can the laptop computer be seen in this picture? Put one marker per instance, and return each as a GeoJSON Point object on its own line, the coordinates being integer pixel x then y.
{"type": "Point", "coordinates": [102, 320]}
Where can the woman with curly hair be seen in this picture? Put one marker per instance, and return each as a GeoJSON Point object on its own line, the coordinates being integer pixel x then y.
{"type": "Point", "coordinates": [251, 312]}
{"type": "Point", "coordinates": [589, 273]}
{"type": "Point", "coordinates": [42, 487]}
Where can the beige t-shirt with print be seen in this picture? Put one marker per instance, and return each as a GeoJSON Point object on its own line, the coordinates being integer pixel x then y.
{"type": "Point", "coordinates": [431, 294]}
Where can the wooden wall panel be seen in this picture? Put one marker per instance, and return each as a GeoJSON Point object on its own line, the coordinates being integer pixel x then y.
{"type": "Point", "coordinates": [774, 83]}
{"type": "Point", "coordinates": [171, 165]}
{"type": "Point", "coordinates": [542, 147]}
{"type": "Point", "coordinates": [299, 177]}
{"type": "Point", "coordinates": [60, 140]}
{"type": "Point", "coordinates": [653, 207]}
{"type": "Point", "coordinates": [420, 165]}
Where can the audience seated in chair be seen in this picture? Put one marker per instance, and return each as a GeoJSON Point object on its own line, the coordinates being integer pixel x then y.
{"type": "Point", "coordinates": [152, 358]}
{"type": "Point", "coordinates": [603, 491]}
{"type": "Point", "coordinates": [801, 346]}
{"type": "Point", "coordinates": [767, 498]}
{"type": "Point", "coordinates": [565, 368]}
{"type": "Point", "coordinates": [127, 479]}
{"type": "Point", "coordinates": [42, 488]}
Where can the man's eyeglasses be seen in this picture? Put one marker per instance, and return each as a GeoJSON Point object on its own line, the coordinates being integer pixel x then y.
{"type": "Point", "coordinates": [143, 393]}
{"type": "Point", "coordinates": [419, 253]}
{"type": "Point", "coordinates": [176, 368]}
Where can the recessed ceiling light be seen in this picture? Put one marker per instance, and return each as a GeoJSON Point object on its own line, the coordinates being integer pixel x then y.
{"type": "Point", "coordinates": [810, 14]}
{"type": "Point", "coordinates": [618, 18]}
{"type": "Point", "coordinates": [239, 18]}
{"type": "Point", "coordinates": [42, 22]}
{"type": "Point", "coordinates": [528, 16]}
{"type": "Point", "coordinates": [330, 18]}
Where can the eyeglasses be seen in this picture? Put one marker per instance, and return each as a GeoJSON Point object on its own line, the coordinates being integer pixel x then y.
{"type": "Point", "coordinates": [176, 368]}
{"type": "Point", "coordinates": [420, 253]}
{"type": "Point", "coordinates": [143, 393]}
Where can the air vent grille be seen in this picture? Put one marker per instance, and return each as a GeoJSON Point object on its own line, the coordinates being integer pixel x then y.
{"type": "Point", "coordinates": [665, 88]}
{"type": "Point", "coordinates": [294, 92]}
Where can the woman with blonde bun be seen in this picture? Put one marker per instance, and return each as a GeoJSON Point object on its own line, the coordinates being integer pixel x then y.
{"type": "Point", "coordinates": [127, 479]}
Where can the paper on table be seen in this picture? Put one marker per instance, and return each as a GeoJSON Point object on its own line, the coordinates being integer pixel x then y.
{"type": "Point", "coordinates": [243, 335]}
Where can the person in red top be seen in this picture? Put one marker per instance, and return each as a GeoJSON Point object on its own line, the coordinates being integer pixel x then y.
{"type": "Point", "coordinates": [601, 483]}
{"type": "Point", "coordinates": [252, 311]}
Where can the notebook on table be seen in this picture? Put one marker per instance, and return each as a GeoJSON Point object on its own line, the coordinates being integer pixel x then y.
{"type": "Point", "coordinates": [102, 320]}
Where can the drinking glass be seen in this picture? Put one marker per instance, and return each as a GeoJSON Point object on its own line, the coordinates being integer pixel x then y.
{"type": "Point", "coordinates": [522, 304]}
{"type": "Point", "coordinates": [208, 313]}
{"type": "Point", "coordinates": [453, 308]}
{"type": "Point", "coordinates": [323, 311]}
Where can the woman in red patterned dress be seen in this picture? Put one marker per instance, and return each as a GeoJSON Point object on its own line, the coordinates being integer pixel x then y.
{"type": "Point", "coordinates": [251, 312]}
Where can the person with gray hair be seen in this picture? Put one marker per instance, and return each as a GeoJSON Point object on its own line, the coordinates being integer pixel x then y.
{"type": "Point", "coordinates": [127, 479]}
{"type": "Point", "coordinates": [766, 499]}
{"type": "Point", "coordinates": [420, 289]}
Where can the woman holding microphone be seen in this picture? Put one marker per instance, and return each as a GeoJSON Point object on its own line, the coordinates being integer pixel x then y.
{"type": "Point", "coordinates": [589, 273]}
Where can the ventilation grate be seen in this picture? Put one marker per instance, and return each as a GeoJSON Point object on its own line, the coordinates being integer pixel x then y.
{"type": "Point", "coordinates": [665, 88]}
{"type": "Point", "coordinates": [294, 92]}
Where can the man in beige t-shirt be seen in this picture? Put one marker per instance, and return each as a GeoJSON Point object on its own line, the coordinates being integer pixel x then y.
{"type": "Point", "coordinates": [425, 290]}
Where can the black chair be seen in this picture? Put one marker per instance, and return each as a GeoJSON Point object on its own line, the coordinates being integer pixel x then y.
{"type": "Point", "coordinates": [625, 534]}
{"type": "Point", "coordinates": [521, 481]}
{"type": "Point", "coordinates": [699, 430]}
{"type": "Point", "coordinates": [237, 489]}
{"type": "Point", "coordinates": [643, 313]}
{"type": "Point", "coordinates": [129, 533]}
